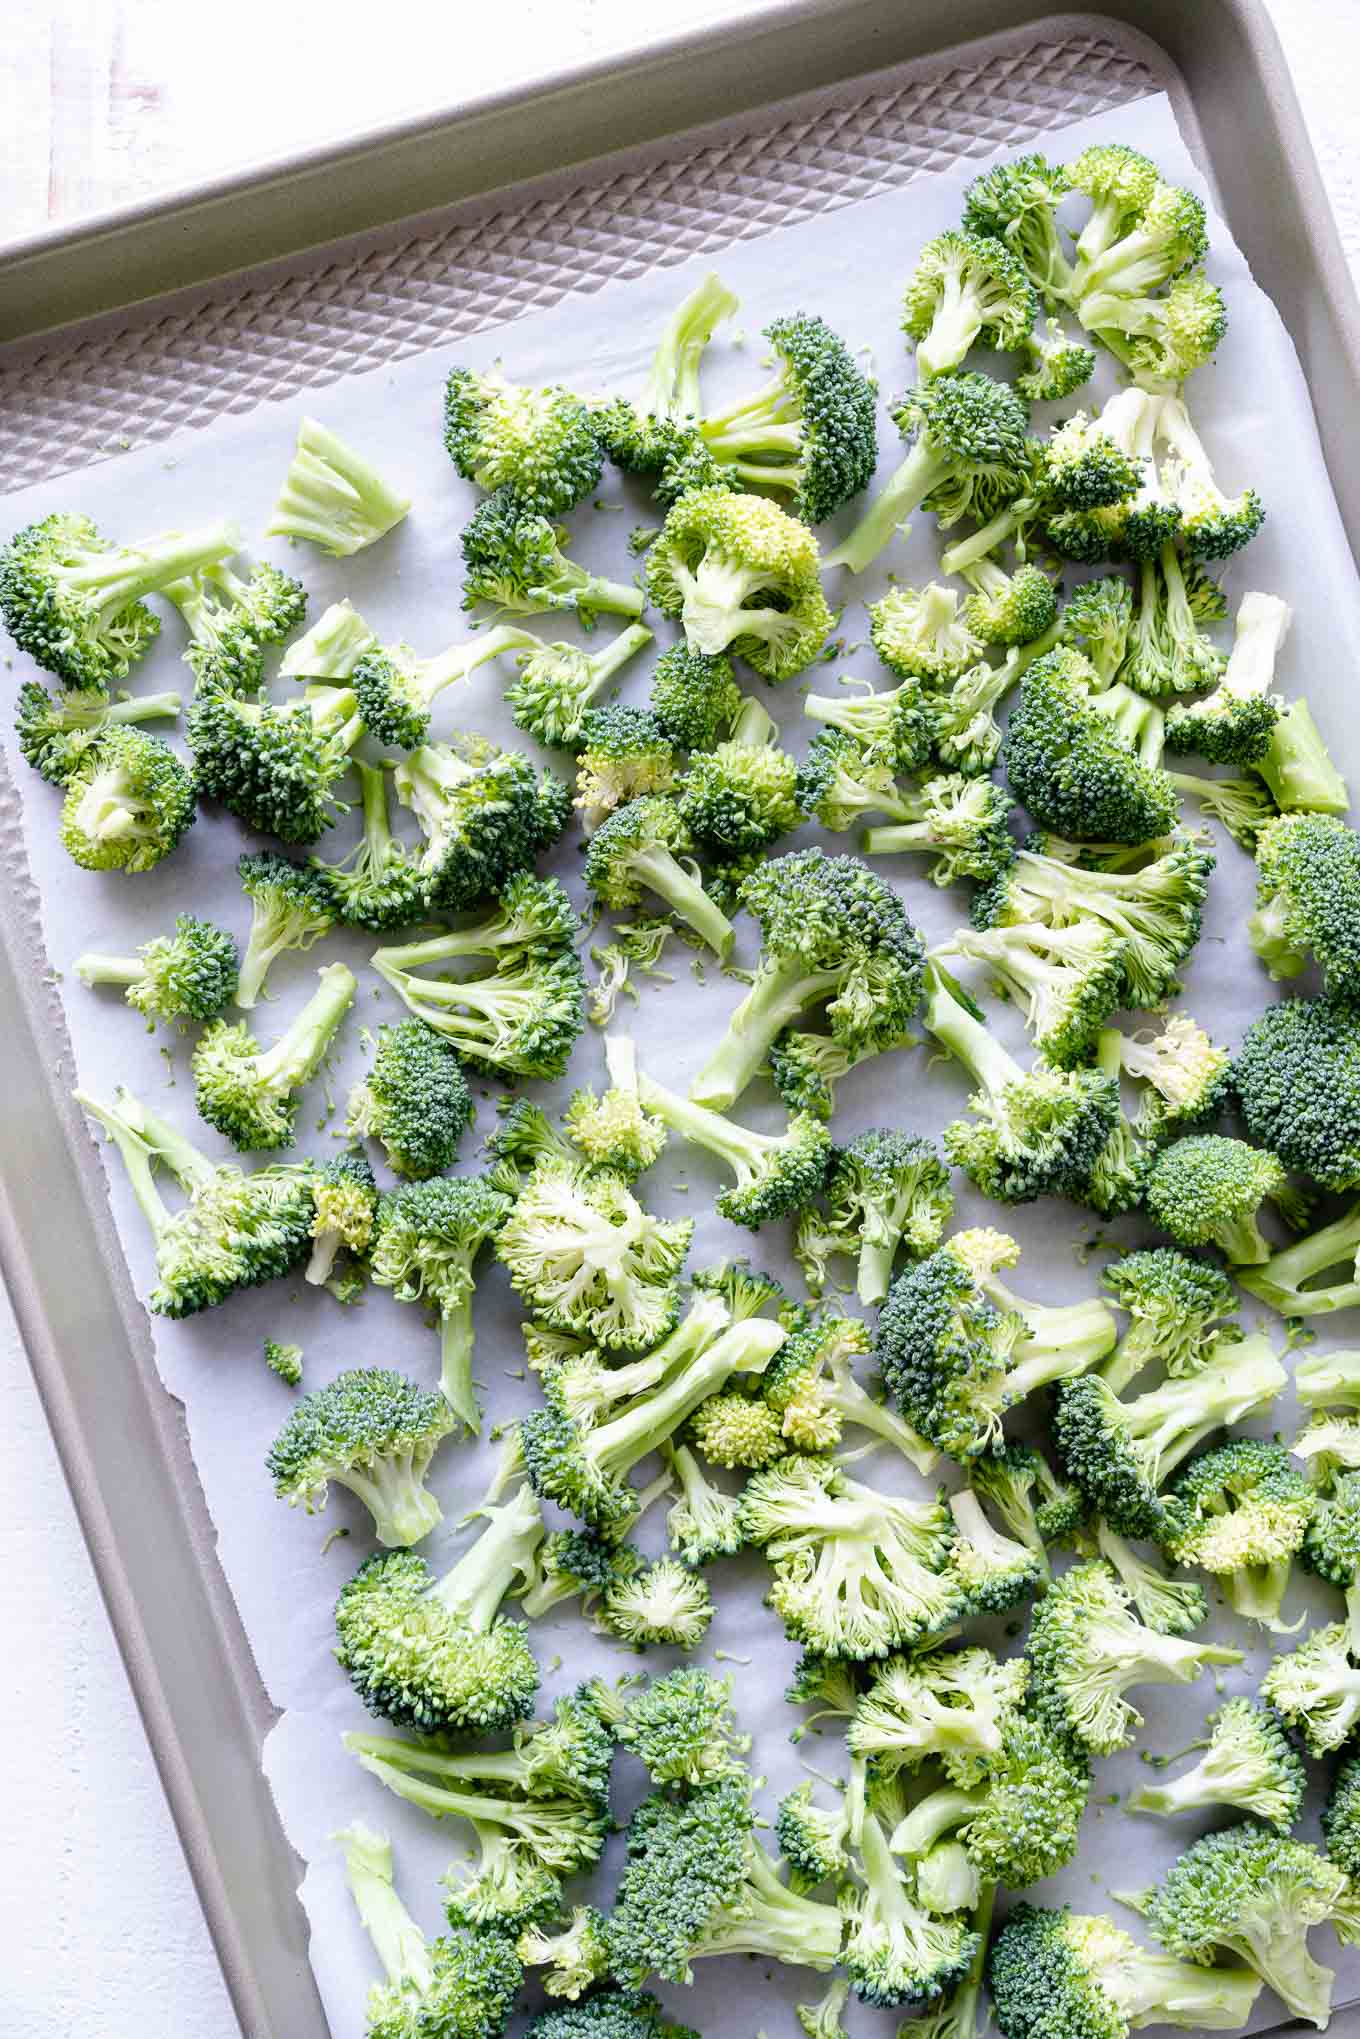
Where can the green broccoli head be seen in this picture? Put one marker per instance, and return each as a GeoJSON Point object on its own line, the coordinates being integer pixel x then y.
{"type": "Point", "coordinates": [1308, 900]}
{"type": "Point", "coordinates": [1009, 608]}
{"type": "Point", "coordinates": [886, 1191]}
{"type": "Point", "coordinates": [1187, 1076]}
{"type": "Point", "coordinates": [775, 1172]}
{"type": "Point", "coordinates": [896, 1951]}
{"type": "Point", "coordinates": [1095, 621]}
{"type": "Point", "coordinates": [188, 975]}
{"type": "Point", "coordinates": [541, 443]}
{"type": "Point", "coordinates": [557, 684]}
{"type": "Point", "coordinates": [624, 756]}
{"type": "Point", "coordinates": [920, 633]}
{"type": "Point", "coordinates": [1249, 1763]}
{"type": "Point", "coordinates": [375, 1432]}
{"type": "Point", "coordinates": [640, 848]}
{"type": "Point", "coordinates": [1242, 1512]}
{"type": "Point", "coordinates": [379, 884]}
{"type": "Point", "coordinates": [284, 1360]}
{"type": "Point", "coordinates": [1208, 1190]}
{"type": "Point", "coordinates": [744, 794]}
{"type": "Point", "coordinates": [695, 697]}
{"type": "Point", "coordinates": [513, 560]}
{"type": "Point", "coordinates": [485, 814]}
{"type": "Point", "coordinates": [609, 2014]}
{"type": "Point", "coordinates": [682, 1730]}
{"type": "Point", "coordinates": [1066, 981]}
{"type": "Point", "coordinates": [290, 908]}
{"type": "Point", "coordinates": [231, 622]}
{"type": "Point", "coordinates": [1064, 1975]}
{"type": "Point", "coordinates": [249, 1093]}
{"type": "Point", "coordinates": [55, 734]}
{"type": "Point", "coordinates": [966, 289]}
{"type": "Point", "coordinates": [1058, 365]}
{"type": "Point", "coordinates": [1315, 1689]}
{"type": "Point", "coordinates": [1016, 202]}
{"type": "Point", "coordinates": [742, 575]}
{"type": "Point", "coordinates": [128, 802]}
{"type": "Point", "coordinates": [426, 1240]}
{"type": "Point", "coordinates": [1176, 1307]}
{"type": "Point", "coordinates": [1069, 764]}
{"type": "Point", "coordinates": [1341, 1818]}
{"type": "Point", "coordinates": [953, 1707]}
{"type": "Point", "coordinates": [1331, 1547]}
{"type": "Point", "coordinates": [273, 767]}
{"type": "Point", "coordinates": [737, 1430]}
{"type": "Point", "coordinates": [415, 1100]}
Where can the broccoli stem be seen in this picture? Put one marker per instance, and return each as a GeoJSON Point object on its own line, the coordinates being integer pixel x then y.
{"type": "Point", "coordinates": [394, 1493]}
{"type": "Point", "coordinates": [775, 1923]}
{"type": "Point", "coordinates": [138, 1158]}
{"type": "Point", "coordinates": [980, 544]}
{"type": "Point", "coordinates": [743, 1151]}
{"type": "Point", "coordinates": [765, 422]}
{"type": "Point", "coordinates": [1276, 1945]}
{"type": "Point", "coordinates": [93, 969]}
{"type": "Point", "coordinates": [474, 1588]}
{"type": "Point", "coordinates": [753, 726]}
{"type": "Point", "coordinates": [780, 995]}
{"type": "Point", "coordinates": [295, 1057]}
{"type": "Point", "coordinates": [332, 497]}
{"type": "Point", "coordinates": [617, 1446]}
{"type": "Point", "coordinates": [455, 1355]}
{"type": "Point", "coordinates": [968, 1040]}
{"type": "Point", "coordinates": [1157, 1988]}
{"type": "Point", "coordinates": [1280, 1280]}
{"type": "Point", "coordinates": [124, 575]}
{"type": "Point", "coordinates": [1297, 768]}
{"type": "Point", "coordinates": [924, 468]}
{"type": "Point", "coordinates": [672, 391]}
{"type": "Point", "coordinates": [933, 1817]}
{"type": "Point", "coordinates": [460, 661]}
{"type": "Point", "coordinates": [665, 875]}
{"type": "Point", "coordinates": [955, 324]}
{"type": "Point", "coordinates": [140, 708]}
{"type": "Point", "coordinates": [331, 649]}
{"type": "Point", "coordinates": [397, 1940]}
{"type": "Point", "coordinates": [325, 1246]}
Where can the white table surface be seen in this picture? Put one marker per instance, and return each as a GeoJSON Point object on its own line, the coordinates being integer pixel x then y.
{"type": "Point", "coordinates": [102, 101]}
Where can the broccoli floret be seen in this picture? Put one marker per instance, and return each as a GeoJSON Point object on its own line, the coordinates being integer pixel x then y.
{"type": "Point", "coordinates": [956, 1708]}
{"type": "Point", "coordinates": [284, 1360]}
{"type": "Point", "coordinates": [291, 907]}
{"type": "Point", "coordinates": [1208, 1190]}
{"type": "Point", "coordinates": [1297, 1079]}
{"type": "Point", "coordinates": [1095, 621]}
{"type": "Point", "coordinates": [1316, 1689]}
{"type": "Point", "coordinates": [231, 622]}
{"type": "Point", "coordinates": [885, 1190]}
{"type": "Point", "coordinates": [695, 697]}
{"type": "Point", "coordinates": [249, 1093]}
{"type": "Point", "coordinates": [1339, 1817]}
{"type": "Point", "coordinates": [1212, 525]}
{"type": "Point", "coordinates": [331, 649]}
{"type": "Point", "coordinates": [857, 1573]}
{"type": "Point", "coordinates": [415, 1100]}
{"type": "Point", "coordinates": [703, 1523]}
{"type": "Point", "coordinates": [1256, 1895]}
{"type": "Point", "coordinates": [426, 1239]}
{"type": "Point", "coordinates": [969, 458]}
{"type": "Point", "coordinates": [1032, 1133]}
{"type": "Point", "coordinates": [1177, 1307]}
{"type": "Point", "coordinates": [1308, 900]}
{"type": "Point", "coordinates": [1066, 981]}
{"type": "Point", "coordinates": [1086, 1649]}
{"type": "Point", "coordinates": [345, 1202]}
{"type": "Point", "coordinates": [379, 884]}
{"type": "Point", "coordinates": [1329, 1445]}
{"type": "Point", "coordinates": [681, 1729]}
{"type": "Point", "coordinates": [1058, 365]}
{"type": "Point", "coordinates": [1170, 655]}
{"type": "Point", "coordinates": [1016, 202]}
{"type": "Point", "coordinates": [1060, 1974]}
{"type": "Point", "coordinates": [464, 1985]}
{"type": "Point", "coordinates": [745, 793]}
{"type": "Point", "coordinates": [920, 633]}
{"type": "Point", "coordinates": [184, 976]}
{"type": "Point", "coordinates": [74, 603]}
{"type": "Point", "coordinates": [615, 1131]}
{"type": "Point", "coordinates": [1071, 765]}
{"type": "Point", "coordinates": [814, 1841]}
{"type": "Point", "coordinates": [742, 576]}
{"type": "Point", "coordinates": [895, 728]}
{"type": "Point", "coordinates": [585, 1255]}
{"type": "Point", "coordinates": [1009, 608]}
{"type": "Point", "coordinates": [541, 443]}
{"type": "Point", "coordinates": [332, 497]}
{"type": "Point", "coordinates": [647, 434]}
{"type": "Point", "coordinates": [960, 822]}
{"type": "Point", "coordinates": [737, 1430]}
{"type": "Point", "coordinates": [513, 560]}
{"type": "Point", "coordinates": [1020, 1823]}
{"type": "Point", "coordinates": [375, 1432]}
{"type": "Point", "coordinates": [895, 1951]}
{"type": "Point", "coordinates": [485, 814]}
{"type": "Point", "coordinates": [1018, 1482]}
{"type": "Point", "coordinates": [1241, 1513]}
{"type": "Point", "coordinates": [966, 289]}
{"type": "Point", "coordinates": [812, 1389]}
{"type": "Point", "coordinates": [666, 1604]}
{"type": "Point", "coordinates": [958, 1348]}
{"type": "Point", "coordinates": [811, 429]}
{"type": "Point", "coordinates": [637, 945]}
{"type": "Point", "coordinates": [236, 1230]}
{"type": "Point", "coordinates": [1234, 725]}
{"type": "Point", "coordinates": [1113, 503]}
{"type": "Point", "coordinates": [624, 756]}
{"type": "Point", "coordinates": [1331, 1547]}
{"type": "Point", "coordinates": [964, 732]}
{"type": "Point", "coordinates": [806, 1068]}
{"type": "Point", "coordinates": [1171, 1606]}
{"type": "Point", "coordinates": [1297, 767]}
{"type": "Point", "coordinates": [397, 691]}
{"type": "Point", "coordinates": [640, 848]}
{"type": "Point", "coordinates": [273, 767]}
{"type": "Point", "coordinates": [574, 1958]}
{"type": "Point", "coordinates": [832, 933]}
{"type": "Point", "coordinates": [993, 1573]}
{"type": "Point", "coordinates": [1249, 1763]}
{"type": "Point", "coordinates": [55, 734]}
{"type": "Point", "coordinates": [434, 1654]}
{"type": "Point", "coordinates": [576, 1564]}
{"type": "Point", "coordinates": [1139, 237]}
{"type": "Point", "coordinates": [1187, 1077]}
{"type": "Point", "coordinates": [609, 2014]}
{"type": "Point", "coordinates": [1120, 1453]}
{"type": "Point", "coordinates": [557, 683]}
{"type": "Point", "coordinates": [128, 802]}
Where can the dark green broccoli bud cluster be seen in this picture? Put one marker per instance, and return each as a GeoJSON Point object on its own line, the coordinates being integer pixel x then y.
{"type": "Point", "coordinates": [574, 1958]}
{"type": "Point", "coordinates": [1235, 724]}
{"type": "Point", "coordinates": [1095, 621]}
{"type": "Point", "coordinates": [1071, 765]}
{"type": "Point", "coordinates": [1161, 340]}
{"type": "Point", "coordinates": [896, 1950]}
{"type": "Point", "coordinates": [540, 443]}
{"type": "Point", "coordinates": [1177, 1307]}
{"type": "Point", "coordinates": [1016, 202]}
{"type": "Point", "coordinates": [742, 576]}
{"type": "Point", "coordinates": [1171, 1606]}
{"type": "Point", "coordinates": [426, 1239]}
{"type": "Point", "coordinates": [415, 1100]}
{"type": "Point", "coordinates": [184, 976]}
{"type": "Point", "coordinates": [1241, 1512]}
{"type": "Point", "coordinates": [249, 1093]}
{"type": "Point", "coordinates": [434, 1654]}
{"type": "Point", "coordinates": [624, 755]}
{"type": "Point", "coordinates": [1249, 1763]}
{"type": "Point", "coordinates": [1208, 1190]}
{"type": "Point", "coordinates": [557, 684]}
{"type": "Point", "coordinates": [682, 1730]}
{"type": "Point", "coordinates": [1061, 1974]}
{"type": "Point", "coordinates": [55, 734]}
{"type": "Point", "coordinates": [1308, 900]}
{"type": "Point", "coordinates": [1009, 608]}
{"type": "Point", "coordinates": [744, 793]}
{"type": "Point", "coordinates": [646, 847]}
{"type": "Point", "coordinates": [886, 1191]}
{"type": "Point", "coordinates": [810, 430]}
{"type": "Point", "coordinates": [290, 908]}
{"type": "Point", "coordinates": [275, 768]}
{"type": "Point", "coordinates": [379, 885]}
{"type": "Point", "coordinates": [73, 601]}
{"type": "Point", "coordinates": [958, 821]}
{"type": "Point", "coordinates": [1341, 1818]}
{"type": "Point", "coordinates": [375, 1432]}
{"type": "Point", "coordinates": [397, 691]}
{"type": "Point", "coordinates": [966, 290]}
{"type": "Point", "coordinates": [1331, 1547]}
{"type": "Point", "coordinates": [1141, 231]}
{"type": "Point", "coordinates": [695, 697]}
{"type": "Point", "coordinates": [128, 802]}
{"type": "Point", "coordinates": [806, 1068]}
{"type": "Point", "coordinates": [332, 497]}
{"type": "Point", "coordinates": [1020, 1822]}
{"type": "Point", "coordinates": [609, 2014]}
{"type": "Point", "coordinates": [513, 560]}
{"type": "Point", "coordinates": [1058, 365]}
{"type": "Point", "coordinates": [232, 622]}
{"type": "Point", "coordinates": [486, 815]}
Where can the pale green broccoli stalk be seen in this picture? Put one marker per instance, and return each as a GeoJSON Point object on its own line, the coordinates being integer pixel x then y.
{"type": "Point", "coordinates": [894, 727]}
{"type": "Point", "coordinates": [539, 442]}
{"type": "Point", "coordinates": [485, 813]}
{"type": "Point", "coordinates": [249, 1093]}
{"type": "Point", "coordinates": [640, 848]}
{"type": "Point", "coordinates": [742, 576]}
{"type": "Point", "coordinates": [290, 908]}
{"type": "Point", "coordinates": [513, 560]}
{"type": "Point", "coordinates": [1234, 725]}
{"type": "Point", "coordinates": [1207, 1190]}
{"type": "Point", "coordinates": [379, 884]}
{"type": "Point", "coordinates": [331, 649]}
{"type": "Point", "coordinates": [1171, 1606]}
{"type": "Point", "coordinates": [966, 289]}
{"type": "Point", "coordinates": [993, 1572]}
{"type": "Point", "coordinates": [1062, 1973]}
{"type": "Point", "coordinates": [650, 433]}
{"type": "Point", "coordinates": [396, 690]}
{"type": "Point", "coordinates": [895, 1951]}
{"type": "Point", "coordinates": [1156, 236]}
{"type": "Point", "coordinates": [184, 976]}
{"type": "Point", "coordinates": [55, 734]}
{"type": "Point", "coordinates": [1297, 767]}
{"type": "Point", "coordinates": [231, 622]}
{"type": "Point", "coordinates": [332, 497]}
{"type": "Point", "coordinates": [128, 802]}
{"type": "Point", "coordinates": [1248, 1763]}
{"type": "Point", "coordinates": [426, 1240]}
{"type": "Point", "coordinates": [375, 1432]}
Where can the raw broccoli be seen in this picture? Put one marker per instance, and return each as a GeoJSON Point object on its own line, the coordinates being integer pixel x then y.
{"type": "Point", "coordinates": [1020, 1823]}
{"type": "Point", "coordinates": [742, 576]}
{"type": "Point", "coordinates": [1329, 1445]}
{"type": "Point", "coordinates": [414, 1100]}
{"type": "Point", "coordinates": [1297, 1079]}
{"type": "Point", "coordinates": [485, 814]}
{"type": "Point", "coordinates": [1016, 202]}
{"type": "Point", "coordinates": [1032, 1133]}
{"type": "Point", "coordinates": [425, 1241]}
{"type": "Point", "coordinates": [513, 560]}
{"type": "Point", "coordinates": [575, 1564]}
{"type": "Point", "coordinates": [1090, 463]}
{"type": "Point", "coordinates": [958, 821]}
{"type": "Point", "coordinates": [1212, 525]}
{"type": "Point", "coordinates": [1324, 1380]}
{"type": "Point", "coordinates": [1316, 1689]}
{"type": "Point", "coordinates": [1009, 608]}
{"type": "Point", "coordinates": [895, 728]}
{"type": "Point", "coordinates": [397, 690]}
{"type": "Point", "coordinates": [375, 1432]}
{"type": "Point", "coordinates": [55, 734]}
{"type": "Point", "coordinates": [434, 1654]}
{"type": "Point", "coordinates": [737, 1430]}
{"type": "Point", "coordinates": [525, 1012]}
{"type": "Point", "coordinates": [231, 622]}
{"type": "Point", "coordinates": [1331, 1547]}
{"type": "Point", "coordinates": [235, 1231]}
{"type": "Point", "coordinates": [614, 1132]}
{"type": "Point", "coordinates": [290, 908]}
{"type": "Point", "coordinates": [609, 2014]}
{"type": "Point", "coordinates": [1241, 1513]}
{"type": "Point", "coordinates": [1155, 911]}
{"type": "Point", "coordinates": [775, 1172]}
{"type": "Point", "coordinates": [1058, 365]}
{"type": "Point", "coordinates": [557, 683]}
{"type": "Point", "coordinates": [637, 945]}
{"type": "Point", "coordinates": [993, 1572]}
{"type": "Point", "coordinates": [640, 848]}
{"type": "Point", "coordinates": [1297, 767]}
{"type": "Point", "coordinates": [666, 1604]}
{"type": "Point", "coordinates": [958, 1348]}
{"type": "Point", "coordinates": [806, 1068]}
{"type": "Point", "coordinates": [1256, 1895]}
{"type": "Point", "coordinates": [745, 793]}
{"type": "Point", "coordinates": [285, 1361]}
{"type": "Point", "coordinates": [964, 732]}
{"type": "Point", "coordinates": [1207, 1190]}
{"type": "Point", "coordinates": [128, 802]}
{"type": "Point", "coordinates": [956, 1708]}
{"type": "Point", "coordinates": [682, 1730]}
{"type": "Point", "coordinates": [832, 933]}
{"type": "Point", "coordinates": [540, 443]}
{"type": "Point", "coordinates": [274, 767]}
{"type": "Point", "coordinates": [624, 756]}
{"type": "Point", "coordinates": [1066, 981]}
{"type": "Point", "coordinates": [1113, 504]}
{"type": "Point", "coordinates": [653, 432]}
{"type": "Point", "coordinates": [332, 497]}
{"type": "Point", "coordinates": [378, 884]}
{"type": "Point", "coordinates": [1065, 1974]}
{"type": "Point", "coordinates": [1018, 1482]}
{"type": "Point", "coordinates": [1086, 1649]}
{"type": "Point", "coordinates": [345, 1202]}
{"type": "Point", "coordinates": [1120, 1453]}
{"type": "Point", "coordinates": [590, 1260]}
{"type": "Point", "coordinates": [331, 649]}
{"type": "Point", "coordinates": [1169, 654]}
{"type": "Point", "coordinates": [463, 1985]}
{"type": "Point", "coordinates": [1070, 764]}
{"type": "Point", "coordinates": [968, 459]}
{"type": "Point", "coordinates": [810, 430]}
{"type": "Point", "coordinates": [695, 697]}
{"type": "Point", "coordinates": [1235, 724]}
{"type": "Point", "coordinates": [920, 633]}
{"type": "Point", "coordinates": [1140, 242]}
{"type": "Point", "coordinates": [1248, 1762]}
{"type": "Point", "coordinates": [857, 1573]}
{"type": "Point", "coordinates": [813, 1840]}
{"type": "Point", "coordinates": [966, 289]}
{"type": "Point", "coordinates": [1177, 1307]}
{"type": "Point", "coordinates": [886, 1190]}
{"type": "Point", "coordinates": [1171, 1606]}
{"type": "Point", "coordinates": [1161, 340]}
{"type": "Point", "coordinates": [184, 976]}
{"type": "Point", "coordinates": [703, 1522]}
{"type": "Point", "coordinates": [249, 1093]}
{"type": "Point", "coordinates": [74, 603]}
{"type": "Point", "coordinates": [1291, 1281]}
{"type": "Point", "coordinates": [1339, 1819]}
{"type": "Point", "coordinates": [895, 1951]}
{"type": "Point", "coordinates": [1187, 1076]}
{"type": "Point", "coordinates": [1095, 621]}
{"type": "Point", "coordinates": [575, 1959]}
{"type": "Point", "coordinates": [1308, 900]}
{"type": "Point", "coordinates": [811, 1388]}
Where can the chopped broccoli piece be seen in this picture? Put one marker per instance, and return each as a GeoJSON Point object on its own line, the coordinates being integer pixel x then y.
{"type": "Point", "coordinates": [231, 622]}
{"type": "Point", "coordinates": [1308, 900]}
{"type": "Point", "coordinates": [1248, 1762]}
{"type": "Point", "coordinates": [953, 1708]}
{"type": "Point", "coordinates": [397, 691]}
{"type": "Point", "coordinates": [1331, 1547]}
{"type": "Point", "coordinates": [426, 1239]}
{"type": "Point", "coordinates": [666, 1604]}
{"type": "Point", "coordinates": [1095, 621]}
{"type": "Point", "coordinates": [540, 443]}
{"type": "Point", "coordinates": [1177, 1308]}
{"type": "Point", "coordinates": [1020, 1823]}
{"type": "Point", "coordinates": [1171, 1606]}
{"type": "Point", "coordinates": [1071, 765]}
{"type": "Point", "coordinates": [993, 1573]}
{"type": "Point", "coordinates": [284, 1360]}
{"type": "Point", "coordinates": [745, 793]}
{"type": "Point", "coordinates": [345, 1203]}
{"type": "Point", "coordinates": [742, 576]}
{"type": "Point", "coordinates": [1241, 1513]}
{"type": "Point", "coordinates": [1058, 365]}
{"type": "Point", "coordinates": [886, 1190]}
{"type": "Point", "coordinates": [640, 848]}
{"type": "Point", "coordinates": [609, 2014]}
{"type": "Point", "coordinates": [415, 1100]}
{"type": "Point", "coordinates": [1207, 1190]}
{"type": "Point", "coordinates": [703, 1523]}
{"type": "Point", "coordinates": [184, 976]}
{"type": "Point", "coordinates": [624, 756]}
{"type": "Point", "coordinates": [513, 560]}
{"type": "Point", "coordinates": [1009, 608]}
{"type": "Point", "coordinates": [379, 884]}
{"type": "Point", "coordinates": [332, 497]}
{"type": "Point", "coordinates": [55, 734]}
{"type": "Point", "coordinates": [1016, 202]}
{"type": "Point", "coordinates": [1297, 1079]}
{"type": "Point", "coordinates": [375, 1432]}
{"type": "Point", "coordinates": [1297, 768]}
{"type": "Point", "coordinates": [290, 908]}
{"type": "Point", "coordinates": [576, 1958]}
{"type": "Point", "coordinates": [1316, 1689]}
{"type": "Point", "coordinates": [485, 814]}
{"type": "Point", "coordinates": [695, 697]}
{"type": "Point", "coordinates": [1066, 981]}
{"type": "Point", "coordinates": [1234, 725]}
{"type": "Point", "coordinates": [806, 1068]}
{"type": "Point", "coordinates": [682, 1730]}
{"type": "Point", "coordinates": [1292, 1281]}
{"type": "Point", "coordinates": [652, 433]}
{"type": "Point", "coordinates": [557, 684]}
{"type": "Point", "coordinates": [1060, 1974]}
{"type": "Point", "coordinates": [1018, 1482]}
{"type": "Point", "coordinates": [737, 1430]}
{"type": "Point", "coordinates": [274, 767]}
{"type": "Point", "coordinates": [1339, 1818]}
{"type": "Point", "coordinates": [966, 289]}
{"type": "Point", "coordinates": [1187, 1077]}
{"type": "Point", "coordinates": [616, 1132]}
{"type": "Point", "coordinates": [1212, 525]}
{"type": "Point", "coordinates": [920, 633]}
{"type": "Point", "coordinates": [895, 728]}
{"type": "Point", "coordinates": [248, 1093]}
{"type": "Point", "coordinates": [810, 1386]}
{"type": "Point", "coordinates": [128, 802]}
{"type": "Point", "coordinates": [1133, 244]}
{"type": "Point", "coordinates": [331, 649]}
{"type": "Point", "coordinates": [895, 1951]}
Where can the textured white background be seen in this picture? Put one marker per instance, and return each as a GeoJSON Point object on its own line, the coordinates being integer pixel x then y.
{"type": "Point", "coordinates": [102, 101]}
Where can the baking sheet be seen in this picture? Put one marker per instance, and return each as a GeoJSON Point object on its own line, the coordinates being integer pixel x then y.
{"type": "Point", "coordinates": [1251, 403]}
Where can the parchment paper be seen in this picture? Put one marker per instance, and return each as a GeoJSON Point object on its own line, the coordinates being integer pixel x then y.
{"type": "Point", "coordinates": [1253, 409]}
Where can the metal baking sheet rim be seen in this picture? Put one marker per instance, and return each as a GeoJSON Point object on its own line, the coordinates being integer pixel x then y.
{"type": "Point", "coordinates": [62, 1265]}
